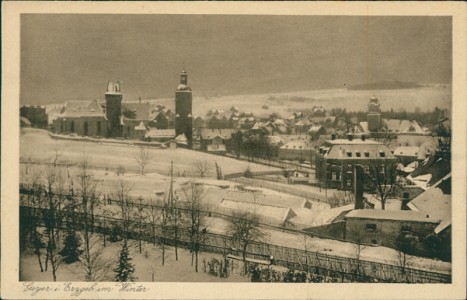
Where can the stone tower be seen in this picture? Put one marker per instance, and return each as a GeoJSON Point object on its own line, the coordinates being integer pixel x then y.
{"type": "Point", "coordinates": [374, 115]}
{"type": "Point", "coordinates": [113, 109]}
{"type": "Point", "coordinates": [183, 109]}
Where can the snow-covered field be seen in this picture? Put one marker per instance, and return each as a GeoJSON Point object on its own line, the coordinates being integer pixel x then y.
{"type": "Point", "coordinates": [426, 98]}
{"type": "Point", "coordinates": [37, 145]}
{"type": "Point", "coordinates": [146, 264]}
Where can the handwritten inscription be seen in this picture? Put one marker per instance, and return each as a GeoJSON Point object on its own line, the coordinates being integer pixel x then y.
{"type": "Point", "coordinates": [76, 290]}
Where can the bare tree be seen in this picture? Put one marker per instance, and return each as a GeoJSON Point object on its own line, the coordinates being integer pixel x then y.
{"type": "Point", "coordinates": [56, 157]}
{"type": "Point", "coordinates": [121, 191]}
{"type": "Point", "coordinates": [92, 262]}
{"type": "Point", "coordinates": [143, 157]}
{"type": "Point", "coordinates": [202, 168]}
{"type": "Point", "coordinates": [35, 203]}
{"type": "Point", "coordinates": [194, 205]}
{"type": "Point", "coordinates": [307, 245]}
{"type": "Point", "coordinates": [341, 198]}
{"type": "Point", "coordinates": [52, 216]}
{"type": "Point", "coordinates": [245, 228]}
{"type": "Point", "coordinates": [153, 216]}
{"type": "Point", "coordinates": [139, 217]}
{"type": "Point", "coordinates": [382, 178]}
{"type": "Point", "coordinates": [357, 238]}
{"type": "Point", "coordinates": [405, 245]}
{"type": "Point", "coordinates": [88, 201]}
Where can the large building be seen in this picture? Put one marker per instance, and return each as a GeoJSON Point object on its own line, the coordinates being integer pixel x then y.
{"type": "Point", "coordinates": [335, 160]}
{"type": "Point", "coordinates": [86, 118]}
{"type": "Point", "coordinates": [129, 120]}
{"type": "Point", "coordinates": [183, 109]}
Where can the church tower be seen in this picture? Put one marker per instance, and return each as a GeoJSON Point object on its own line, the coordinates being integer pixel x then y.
{"type": "Point", "coordinates": [183, 109]}
{"type": "Point", "coordinates": [374, 115]}
{"type": "Point", "coordinates": [113, 109]}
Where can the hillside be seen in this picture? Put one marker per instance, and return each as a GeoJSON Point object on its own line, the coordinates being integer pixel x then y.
{"type": "Point", "coordinates": [426, 98]}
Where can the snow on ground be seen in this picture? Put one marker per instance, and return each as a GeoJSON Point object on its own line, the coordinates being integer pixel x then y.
{"type": "Point", "coordinates": [371, 253]}
{"type": "Point", "coordinates": [38, 145]}
{"type": "Point", "coordinates": [146, 264]}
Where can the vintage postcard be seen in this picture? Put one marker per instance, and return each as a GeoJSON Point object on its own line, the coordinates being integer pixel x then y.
{"type": "Point", "coordinates": [233, 150]}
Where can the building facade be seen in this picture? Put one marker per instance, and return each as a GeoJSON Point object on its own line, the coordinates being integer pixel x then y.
{"type": "Point", "coordinates": [335, 159]}
{"type": "Point", "coordinates": [84, 118]}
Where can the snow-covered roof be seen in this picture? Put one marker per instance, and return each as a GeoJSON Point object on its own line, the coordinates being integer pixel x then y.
{"type": "Point", "coordinates": [395, 215]}
{"type": "Point", "coordinates": [436, 201]}
{"type": "Point", "coordinates": [160, 133]}
{"type": "Point", "coordinates": [83, 109]}
{"type": "Point", "coordinates": [141, 126]}
{"type": "Point", "coordinates": [340, 148]}
{"type": "Point", "coordinates": [297, 145]}
{"type": "Point", "coordinates": [270, 211]}
{"type": "Point", "coordinates": [207, 133]}
{"type": "Point", "coordinates": [403, 126]}
{"type": "Point", "coordinates": [215, 196]}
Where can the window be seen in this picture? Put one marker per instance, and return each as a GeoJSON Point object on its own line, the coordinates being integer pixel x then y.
{"type": "Point", "coordinates": [366, 168]}
{"type": "Point", "coordinates": [86, 128]}
{"type": "Point", "coordinates": [349, 168]}
{"type": "Point", "coordinates": [383, 169]}
{"type": "Point", "coordinates": [371, 227]}
{"type": "Point", "coordinates": [381, 153]}
{"type": "Point", "coordinates": [367, 154]}
{"type": "Point", "coordinates": [72, 126]}
{"type": "Point", "coordinates": [349, 183]}
{"type": "Point", "coordinates": [358, 154]}
{"type": "Point", "coordinates": [349, 154]}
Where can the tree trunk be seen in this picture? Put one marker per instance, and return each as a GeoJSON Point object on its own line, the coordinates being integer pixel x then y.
{"type": "Point", "coordinates": [196, 261]}
{"type": "Point", "coordinates": [47, 259]}
{"type": "Point", "coordinates": [245, 267]}
{"type": "Point", "coordinates": [38, 253]}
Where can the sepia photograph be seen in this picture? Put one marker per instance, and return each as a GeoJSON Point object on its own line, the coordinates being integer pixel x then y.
{"type": "Point", "coordinates": [207, 148]}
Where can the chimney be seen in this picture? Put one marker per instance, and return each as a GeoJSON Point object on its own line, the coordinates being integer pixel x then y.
{"type": "Point", "coordinates": [358, 186]}
{"type": "Point", "coordinates": [363, 137]}
{"type": "Point", "coordinates": [350, 136]}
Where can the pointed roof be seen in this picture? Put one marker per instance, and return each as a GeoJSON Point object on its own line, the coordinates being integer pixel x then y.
{"type": "Point", "coordinates": [83, 109]}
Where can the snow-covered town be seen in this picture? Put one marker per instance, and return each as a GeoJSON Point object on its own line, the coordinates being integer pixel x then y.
{"type": "Point", "coordinates": [345, 184]}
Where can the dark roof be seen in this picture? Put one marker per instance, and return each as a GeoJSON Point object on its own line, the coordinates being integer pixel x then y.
{"type": "Point", "coordinates": [434, 165]}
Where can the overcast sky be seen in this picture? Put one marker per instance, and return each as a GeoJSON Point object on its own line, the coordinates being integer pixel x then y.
{"type": "Point", "coordinates": [66, 57]}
